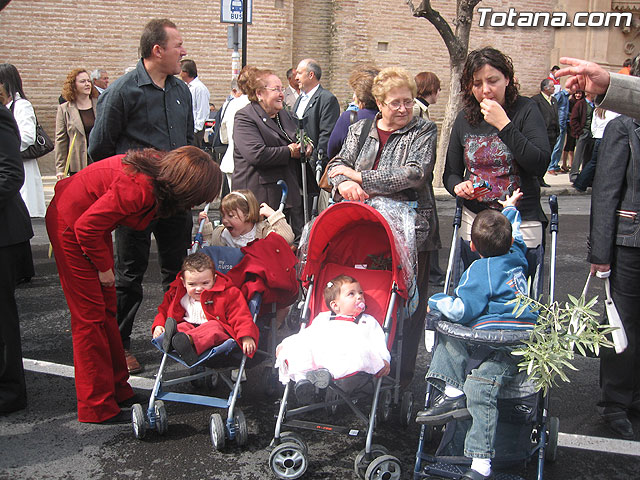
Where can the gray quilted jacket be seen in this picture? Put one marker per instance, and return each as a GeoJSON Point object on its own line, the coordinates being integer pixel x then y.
{"type": "Point", "coordinates": [404, 171]}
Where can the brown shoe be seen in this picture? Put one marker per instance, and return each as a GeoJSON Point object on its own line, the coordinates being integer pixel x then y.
{"type": "Point", "coordinates": [132, 363]}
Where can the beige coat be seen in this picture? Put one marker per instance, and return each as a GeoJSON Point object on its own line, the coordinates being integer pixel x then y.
{"type": "Point", "coordinates": [68, 124]}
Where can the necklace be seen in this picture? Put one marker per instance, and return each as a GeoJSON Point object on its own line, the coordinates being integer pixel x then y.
{"type": "Point", "coordinates": [277, 117]}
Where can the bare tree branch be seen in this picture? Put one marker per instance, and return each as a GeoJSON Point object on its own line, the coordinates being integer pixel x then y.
{"type": "Point", "coordinates": [425, 10]}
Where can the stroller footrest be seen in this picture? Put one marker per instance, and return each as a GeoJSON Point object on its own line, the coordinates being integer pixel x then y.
{"type": "Point", "coordinates": [193, 399]}
{"type": "Point", "coordinates": [323, 427]}
{"type": "Point", "coordinates": [455, 471]}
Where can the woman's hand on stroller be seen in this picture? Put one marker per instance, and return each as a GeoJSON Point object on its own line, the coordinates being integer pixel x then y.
{"type": "Point", "coordinates": [248, 345]}
{"type": "Point", "coordinates": [350, 190]}
{"type": "Point", "coordinates": [384, 371]}
{"type": "Point", "coordinates": [203, 216]}
{"type": "Point", "coordinates": [350, 173]}
{"type": "Point", "coordinates": [512, 200]}
{"type": "Point", "coordinates": [159, 330]}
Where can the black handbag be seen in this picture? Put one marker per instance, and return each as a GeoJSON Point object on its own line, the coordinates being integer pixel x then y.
{"type": "Point", "coordinates": [42, 144]}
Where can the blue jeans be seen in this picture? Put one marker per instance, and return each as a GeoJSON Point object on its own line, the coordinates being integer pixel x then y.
{"type": "Point", "coordinates": [481, 387]}
{"type": "Point", "coordinates": [557, 151]}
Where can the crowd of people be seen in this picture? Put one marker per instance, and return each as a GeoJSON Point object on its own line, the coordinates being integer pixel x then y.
{"type": "Point", "coordinates": [130, 156]}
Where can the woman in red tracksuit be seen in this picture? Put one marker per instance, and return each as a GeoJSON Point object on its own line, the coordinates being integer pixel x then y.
{"type": "Point", "coordinates": [129, 190]}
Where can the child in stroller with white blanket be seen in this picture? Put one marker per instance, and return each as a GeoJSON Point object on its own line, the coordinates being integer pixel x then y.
{"type": "Point", "coordinates": [336, 344]}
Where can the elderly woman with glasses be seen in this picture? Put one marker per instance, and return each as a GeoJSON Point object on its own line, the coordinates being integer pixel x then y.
{"type": "Point", "coordinates": [395, 160]}
{"type": "Point", "coordinates": [265, 147]}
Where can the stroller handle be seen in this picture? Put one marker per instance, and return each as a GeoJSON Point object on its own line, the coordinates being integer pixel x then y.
{"type": "Point", "coordinates": [285, 190]}
{"type": "Point", "coordinates": [457, 217]}
{"type": "Point", "coordinates": [553, 205]}
{"type": "Point", "coordinates": [319, 161]}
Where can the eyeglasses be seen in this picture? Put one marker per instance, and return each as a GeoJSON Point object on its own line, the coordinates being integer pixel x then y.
{"type": "Point", "coordinates": [396, 104]}
{"type": "Point", "coordinates": [275, 89]}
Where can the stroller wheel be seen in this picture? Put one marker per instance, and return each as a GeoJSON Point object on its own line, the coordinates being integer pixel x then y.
{"type": "Point", "coordinates": [293, 437]}
{"type": "Point", "coordinates": [361, 463]}
{"type": "Point", "coordinates": [216, 429]}
{"type": "Point", "coordinates": [138, 421]}
{"type": "Point", "coordinates": [242, 432]}
{"type": "Point", "coordinates": [406, 409]}
{"type": "Point", "coordinates": [288, 461]}
{"type": "Point", "coordinates": [211, 382]}
{"type": "Point", "coordinates": [162, 423]}
{"type": "Point", "coordinates": [551, 450]}
{"type": "Point", "coordinates": [384, 406]}
{"type": "Point", "coordinates": [386, 467]}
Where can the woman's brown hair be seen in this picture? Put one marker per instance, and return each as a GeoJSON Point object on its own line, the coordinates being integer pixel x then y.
{"type": "Point", "coordinates": [69, 86]}
{"type": "Point", "coordinates": [361, 81]}
{"type": "Point", "coordinates": [428, 83]}
{"type": "Point", "coordinates": [475, 61]}
{"type": "Point", "coordinates": [182, 178]}
{"type": "Point", "coordinates": [256, 81]}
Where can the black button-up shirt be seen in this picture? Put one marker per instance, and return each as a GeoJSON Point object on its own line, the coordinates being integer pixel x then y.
{"type": "Point", "coordinates": [135, 113]}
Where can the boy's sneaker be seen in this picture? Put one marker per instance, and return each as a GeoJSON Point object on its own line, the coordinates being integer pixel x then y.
{"type": "Point", "coordinates": [320, 377]}
{"type": "Point", "coordinates": [305, 392]}
{"type": "Point", "coordinates": [170, 329]}
{"type": "Point", "coordinates": [473, 475]}
{"type": "Point", "coordinates": [183, 346]}
{"type": "Point", "coordinates": [443, 410]}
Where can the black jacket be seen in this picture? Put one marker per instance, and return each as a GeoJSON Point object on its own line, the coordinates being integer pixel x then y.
{"type": "Point", "coordinates": [616, 187]}
{"type": "Point", "coordinates": [14, 217]}
{"type": "Point", "coordinates": [550, 115]}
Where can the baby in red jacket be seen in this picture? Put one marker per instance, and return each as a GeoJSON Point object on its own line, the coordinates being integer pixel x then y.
{"type": "Point", "coordinates": [202, 309]}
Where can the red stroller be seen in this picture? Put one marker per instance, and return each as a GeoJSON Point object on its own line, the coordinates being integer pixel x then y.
{"type": "Point", "coordinates": [353, 239]}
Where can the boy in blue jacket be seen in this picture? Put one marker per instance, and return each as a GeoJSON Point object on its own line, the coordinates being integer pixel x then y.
{"type": "Point", "coordinates": [480, 301]}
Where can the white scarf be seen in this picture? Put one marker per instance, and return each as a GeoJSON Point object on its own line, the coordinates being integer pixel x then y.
{"type": "Point", "coordinates": [239, 241]}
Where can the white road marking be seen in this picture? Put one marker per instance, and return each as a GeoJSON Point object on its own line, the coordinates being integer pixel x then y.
{"type": "Point", "coordinates": [567, 440]}
{"type": "Point", "coordinates": [60, 370]}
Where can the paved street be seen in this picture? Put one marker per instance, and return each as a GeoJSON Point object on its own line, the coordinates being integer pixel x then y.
{"type": "Point", "coordinates": [45, 441]}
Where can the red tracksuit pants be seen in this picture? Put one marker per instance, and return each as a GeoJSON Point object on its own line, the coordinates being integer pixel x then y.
{"type": "Point", "coordinates": [98, 356]}
{"type": "Point", "coordinates": [204, 335]}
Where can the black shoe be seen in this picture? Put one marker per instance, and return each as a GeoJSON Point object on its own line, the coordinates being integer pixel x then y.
{"type": "Point", "coordinates": [170, 329]}
{"type": "Point", "coordinates": [473, 475]}
{"type": "Point", "coordinates": [320, 378]}
{"type": "Point", "coordinates": [443, 410]}
{"type": "Point", "coordinates": [183, 346]}
{"type": "Point", "coordinates": [621, 426]}
{"type": "Point", "coordinates": [129, 402]}
{"type": "Point", "coordinates": [121, 418]}
{"type": "Point", "coordinates": [305, 392]}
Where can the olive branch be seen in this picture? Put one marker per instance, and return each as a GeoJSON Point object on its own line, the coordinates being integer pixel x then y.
{"type": "Point", "coordinates": [561, 330]}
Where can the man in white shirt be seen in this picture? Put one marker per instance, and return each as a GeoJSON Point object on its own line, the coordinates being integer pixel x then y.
{"type": "Point", "coordinates": [100, 79]}
{"type": "Point", "coordinates": [200, 96]}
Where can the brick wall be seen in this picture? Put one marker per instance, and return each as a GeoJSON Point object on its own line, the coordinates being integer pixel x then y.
{"type": "Point", "coordinates": [45, 39]}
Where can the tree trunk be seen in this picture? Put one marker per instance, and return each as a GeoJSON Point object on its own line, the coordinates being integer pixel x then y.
{"type": "Point", "coordinates": [458, 47]}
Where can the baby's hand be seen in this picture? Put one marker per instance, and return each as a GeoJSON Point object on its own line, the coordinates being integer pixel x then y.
{"type": "Point", "coordinates": [158, 331]}
{"type": "Point", "coordinates": [248, 345]}
{"type": "Point", "coordinates": [203, 216]}
{"type": "Point", "coordinates": [384, 371]}
{"type": "Point", "coordinates": [266, 211]}
{"type": "Point", "coordinates": [511, 201]}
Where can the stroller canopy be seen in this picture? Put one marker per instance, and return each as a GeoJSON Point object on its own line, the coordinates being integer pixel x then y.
{"type": "Point", "coordinates": [356, 235]}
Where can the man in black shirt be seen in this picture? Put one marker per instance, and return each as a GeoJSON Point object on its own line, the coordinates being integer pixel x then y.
{"type": "Point", "coordinates": [146, 108]}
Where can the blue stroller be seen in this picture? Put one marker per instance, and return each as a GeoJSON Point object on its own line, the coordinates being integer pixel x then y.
{"type": "Point", "coordinates": [524, 431]}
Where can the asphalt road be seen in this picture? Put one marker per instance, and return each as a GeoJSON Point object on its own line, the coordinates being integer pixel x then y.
{"type": "Point", "coordinates": [45, 441]}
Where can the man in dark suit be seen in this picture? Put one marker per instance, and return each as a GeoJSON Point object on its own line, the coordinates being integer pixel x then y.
{"type": "Point", "coordinates": [15, 253]}
{"type": "Point", "coordinates": [548, 106]}
{"type": "Point", "coordinates": [319, 110]}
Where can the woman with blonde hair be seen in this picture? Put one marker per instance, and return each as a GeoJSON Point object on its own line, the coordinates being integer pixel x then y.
{"type": "Point", "coordinates": [396, 160]}
{"type": "Point", "coordinates": [74, 121]}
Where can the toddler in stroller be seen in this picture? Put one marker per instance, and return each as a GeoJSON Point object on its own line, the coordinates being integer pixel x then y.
{"type": "Point", "coordinates": [481, 301]}
{"type": "Point", "coordinates": [336, 344]}
{"type": "Point", "coordinates": [202, 309]}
